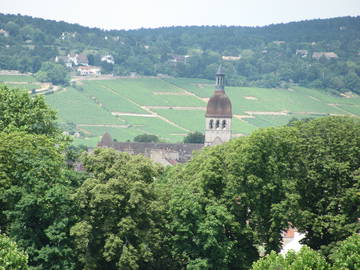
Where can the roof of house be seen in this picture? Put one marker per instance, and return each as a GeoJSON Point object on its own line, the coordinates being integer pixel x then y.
{"type": "Point", "coordinates": [184, 149]}
{"type": "Point", "coordinates": [82, 58]}
{"type": "Point", "coordinates": [88, 68]}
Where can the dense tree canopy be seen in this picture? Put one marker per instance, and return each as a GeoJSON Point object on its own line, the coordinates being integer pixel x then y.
{"type": "Point", "coordinates": [324, 198]}
{"type": "Point", "coordinates": [11, 258]}
{"type": "Point", "coordinates": [305, 175]}
{"type": "Point", "coordinates": [195, 137]}
{"type": "Point", "coordinates": [19, 111]}
{"type": "Point", "coordinates": [346, 256]}
{"type": "Point", "coordinates": [35, 185]}
{"type": "Point", "coordinates": [271, 56]}
{"type": "Point", "coordinates": [306, 258]}
{"type": "Point", "coordinates": [52, 72]}
{"type": "Point", "coordinates": [35, 201]}
{"type": "Point", "coordinates": [217, 211]}
{"type": "Point", "coordinates": [146, 138]}
{"type": "Point", "coordinates": [120, 220]}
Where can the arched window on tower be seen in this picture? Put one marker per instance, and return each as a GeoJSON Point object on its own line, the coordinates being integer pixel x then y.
{"type": "Point", "coordinates": [211, 124]}
{"type": "Point", "coordinates": [223, 124]}
{"type": "Point", "coordinates": [217, 124]}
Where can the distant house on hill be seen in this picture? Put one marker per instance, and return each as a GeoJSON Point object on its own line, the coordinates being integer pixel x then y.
{"type": "Point", "coordinates": [230, 58]}
{"type": "Point", "coordinates": [178, 58]}
{"type": "Point", "coordinates": [64, 60]}
{"type": "Point", "coordinates": [89, 70]}
{"type": "Point", "coordinates": [78, 59]}
{"type": "Point", "coordinates": [4, 33]}
{"type": "Point", "coordinates": [279, 42]}
{"type": "Point", "coordinates": [108, 59]}
{"type": "Point", "coordinates": [68, 35]}
{"type": "Point", "coordinates": [327, 55]}
{"type": "Point", "coordinates": [302, 53]}
{"type": "Point", "coordinates": [82, 60]}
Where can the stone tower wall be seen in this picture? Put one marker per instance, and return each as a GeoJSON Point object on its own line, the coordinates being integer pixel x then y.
{"type": "Point", "coordinates": [217, 134]}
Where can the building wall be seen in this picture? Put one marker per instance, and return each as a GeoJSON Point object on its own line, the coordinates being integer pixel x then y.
{"type": "Point", "coordinates": [216, 135]}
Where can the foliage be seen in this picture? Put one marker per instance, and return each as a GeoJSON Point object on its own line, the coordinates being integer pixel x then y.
{"type": "Point", "coordinates": [214, 212]}
{"type": "Point", "coordinates": [35, 206]}
{"type": "Point", "coordinates": [346, 256]}
{"type": "Point", "coordinates": [305, 259]}
{"type": "Point", "coordinates": [11, 258]}
{"type": "Point", "coordinates": [208, 228]}
{"type": "Point", "coordinates": [271, 56]}
{"type": "Point", "coordinates": [195, 137]}
{"type": "Point", "coordinates": [120, 224]}
{"type": "Point", "coordinates": [260, 168]}
{"type": "Point", "coordinates": [323, 199]}
{"type": "Point", "coordinates": [52, 72]}
{"type": "Point", "coordinates": [255, 186]}
{"type": "Point", "coordinates": [19, 111]}
{"type": "Point", "coordinates": [146, 138]}
{"type": "Point", "coordinates": [35, 186]}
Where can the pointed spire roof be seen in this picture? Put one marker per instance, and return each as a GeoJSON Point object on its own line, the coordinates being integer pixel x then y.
{"type": "Point", "coordinates": [219, 104]}
{"type": "Point", "coordinates": [220, 70]}
{"type": "Point", "coordinates": [220, 79]}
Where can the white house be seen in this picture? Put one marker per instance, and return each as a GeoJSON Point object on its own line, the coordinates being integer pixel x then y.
{"type": "Point", "coordinates": [108, 59]}
{"type": "Point", "coordinates": [89, 70]}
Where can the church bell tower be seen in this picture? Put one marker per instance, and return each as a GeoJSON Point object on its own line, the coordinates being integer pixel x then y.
{"type": "Point", "coordinates": [218, 114]}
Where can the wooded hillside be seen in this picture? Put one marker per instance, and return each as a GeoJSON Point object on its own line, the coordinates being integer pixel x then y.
{"type": "Point", "coordinates": [316, 53]}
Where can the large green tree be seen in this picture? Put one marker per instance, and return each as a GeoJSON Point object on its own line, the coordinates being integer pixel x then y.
{"type": "Point", "coordinates": [323, 200]}
{"type": "Point", "coordinates": [120, 223]}
{"type": "Point", "coordinates": [194, 137]}
{"type": "Point", "coordinates": [52, 72]}
{"type": "Point", "coordinates": [260, 166]}
{"type": "Point", "coordinates": [208, 227]}
{"type": "Point", "coordinates": [35, 184]}
{"type": "Point", "coordinates": [35, 205]}
{"type": "Point", "coordinates": [21, 112]}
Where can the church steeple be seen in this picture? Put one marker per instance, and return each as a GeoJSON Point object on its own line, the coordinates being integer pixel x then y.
{"type": "Point", "coordinates": [218, 114]}
{"type": "Point", "coordinates": [220, 76]}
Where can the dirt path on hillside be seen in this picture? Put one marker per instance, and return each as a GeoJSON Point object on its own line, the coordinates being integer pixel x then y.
{"type": "Point", "coordinates": [21, 82]}
{"type": "Point", "coordinates": [176, 108]}
{"type": "Point", "coordinates": [44, 87]}
{"type": "Point", "coordinates": [170, 93]}
{"type": "Point", "coordinates": [341, 109]}
{"type": "Point", "coordinates": [187, 92]}
{"type": "Point", "coordinates": [133, 114]}
{"type": "Point", "coordinates": [238, 116]}
{"type": "Point", "coordinates": [102, 125]}
{"type": "Point", "coordinates": [267, 113]}
{"type": "Point", "coordinates": [148, 110]}
{"type": "Point", "coordinates": [237, 135]}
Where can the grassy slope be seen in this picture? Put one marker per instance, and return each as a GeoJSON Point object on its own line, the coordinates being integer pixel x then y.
{"type": "Point", "coordinates": [94, 104]}
{"type": "Point", "coordinates": [17, 78]}
{"type": "Point", "coordinates": [73, 106]}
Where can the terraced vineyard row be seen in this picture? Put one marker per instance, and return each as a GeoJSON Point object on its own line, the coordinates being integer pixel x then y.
{"type": "Point", "coordinates": [172, 107]}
